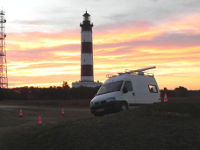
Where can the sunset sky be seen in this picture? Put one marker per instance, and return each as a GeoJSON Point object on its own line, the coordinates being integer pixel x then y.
{"type": "Point", "coordinates": [43, 40]}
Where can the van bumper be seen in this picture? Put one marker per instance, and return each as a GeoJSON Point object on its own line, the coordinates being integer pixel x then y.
{"type": "Point", "coordinates": [105, 108]}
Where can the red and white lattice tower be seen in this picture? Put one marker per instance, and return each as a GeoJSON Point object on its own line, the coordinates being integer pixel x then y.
{"type": "Point", "coordinates": [3, 64]}
{"type": "Point", "coordinates": [86, 49]}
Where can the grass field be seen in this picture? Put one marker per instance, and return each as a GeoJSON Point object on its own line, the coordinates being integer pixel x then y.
{"type": "Point", "coordinates": [169, 126]}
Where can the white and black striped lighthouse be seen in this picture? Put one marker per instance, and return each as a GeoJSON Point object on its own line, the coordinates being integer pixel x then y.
{"type": "Point", "coordinates": [87, 74]}
{"type": "Point", "coordinates": [86, 49]}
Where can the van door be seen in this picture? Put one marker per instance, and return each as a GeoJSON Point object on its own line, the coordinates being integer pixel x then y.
{"type": "Point", "coordinates": [128, 93]}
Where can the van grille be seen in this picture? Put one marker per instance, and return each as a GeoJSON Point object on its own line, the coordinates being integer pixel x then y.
{"type": "Point", "coordinates": [99, 103]}
{"type": "Point", "coordinates": [96, 103]}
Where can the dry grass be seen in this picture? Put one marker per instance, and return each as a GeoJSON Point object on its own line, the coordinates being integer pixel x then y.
{"type": "Point", "coordinates": [168, 126]}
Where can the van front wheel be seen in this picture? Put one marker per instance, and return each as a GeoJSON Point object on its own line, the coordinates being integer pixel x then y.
{"type": "Point", "coordinates": [124, 107]}
{"type": "Point", "coordinates": [98, 114]}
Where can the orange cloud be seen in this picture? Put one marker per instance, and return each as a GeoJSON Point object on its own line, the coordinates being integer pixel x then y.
{"type": "Point", "coordinates": [44, 59]}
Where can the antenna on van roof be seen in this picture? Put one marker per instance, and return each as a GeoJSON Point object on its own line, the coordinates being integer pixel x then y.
{"type": "Point", "coordinates": [138, 70]}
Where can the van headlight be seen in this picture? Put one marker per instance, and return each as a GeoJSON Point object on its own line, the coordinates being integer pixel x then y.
{"type": "Point", "coordinates": [110, 99]}
{"type": "Point", "coordinates": [91, 103]}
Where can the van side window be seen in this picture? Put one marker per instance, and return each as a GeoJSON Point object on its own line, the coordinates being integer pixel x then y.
{"type": "Point", "coordinates": [128, 85]}
{"type": "Point", "coordinates": [153, 88]}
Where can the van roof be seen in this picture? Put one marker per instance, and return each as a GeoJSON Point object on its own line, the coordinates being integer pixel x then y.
{"type": "Point", "coordinates": [127, 76]}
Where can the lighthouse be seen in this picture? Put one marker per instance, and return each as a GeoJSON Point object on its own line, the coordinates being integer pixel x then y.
{"type": "Point", "coordinates": [87, 73]}
{"type": "Point", "coordinates": [86, 49]}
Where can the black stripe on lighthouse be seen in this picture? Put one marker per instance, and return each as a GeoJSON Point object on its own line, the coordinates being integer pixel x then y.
{"type": "Point", "coordinates": [86, 47]}
{"type": "Point", "coordinates": [86, 70]}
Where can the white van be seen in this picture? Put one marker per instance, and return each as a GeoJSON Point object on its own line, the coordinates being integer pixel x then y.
{"type": "Point", "coordinates": [126, 89]}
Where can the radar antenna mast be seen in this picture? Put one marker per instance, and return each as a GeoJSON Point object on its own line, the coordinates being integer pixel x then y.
{"type": "Point", "coordinates": [3, 64]}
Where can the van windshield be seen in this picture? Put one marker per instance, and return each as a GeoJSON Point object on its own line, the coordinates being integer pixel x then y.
{"type": "Point", "coordinates": [110, 87]}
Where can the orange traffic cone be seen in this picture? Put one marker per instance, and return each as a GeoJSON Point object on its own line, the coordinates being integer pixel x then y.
{"type": "Point", "coordinates": [165, 98]}
{"type": "Point", "coordinates": [21, 113]}
{"type": "Point", "coordinates": [40, 120]}
{"type": "Point", "coordinates": [62, 111]}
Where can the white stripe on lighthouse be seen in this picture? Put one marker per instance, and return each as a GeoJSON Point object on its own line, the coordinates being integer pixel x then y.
{"type": "Point", "coordinates": [86, 36]}
{"type": "Point", "coordinates": [86, 59]}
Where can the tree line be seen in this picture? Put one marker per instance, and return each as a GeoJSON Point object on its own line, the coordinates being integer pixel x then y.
{"type": "Point", "coordinates": [180, 92]}
{"type": "Point", "coordinates": [51, 93]}
{"type": "Point", "coordinates": [67, 93]}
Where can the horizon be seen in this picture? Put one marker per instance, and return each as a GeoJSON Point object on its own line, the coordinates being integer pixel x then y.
{"type": "Point", "coordinates": [60, 86]}
{"type": "Point", "coordinates": [43, 42]}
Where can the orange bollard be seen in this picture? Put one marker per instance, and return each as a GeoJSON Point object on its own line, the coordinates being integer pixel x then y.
{"type": "Point", "coordinates": [21, 113]}
{"type": "Point", "coordinates": [165, 98]}
{"type": "Point", "coordinates": [62, 111]}
{"type": "Point", "coordinates": [40, 120]}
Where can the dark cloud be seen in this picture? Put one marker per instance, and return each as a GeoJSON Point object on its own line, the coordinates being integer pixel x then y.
{"type": "Point", "coordinates": [54, 15]}
{"type": "Point", "coordinates": [167, 40]}
{"type": "Point", "coordinates": [175, 40]}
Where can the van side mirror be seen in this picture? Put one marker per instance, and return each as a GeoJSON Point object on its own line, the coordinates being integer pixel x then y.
{"type": "Point", "coordinates": [125, 90]}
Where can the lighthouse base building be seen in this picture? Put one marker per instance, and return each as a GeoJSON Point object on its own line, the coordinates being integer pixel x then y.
{"type": "Point", "coordinates": [87, 75]}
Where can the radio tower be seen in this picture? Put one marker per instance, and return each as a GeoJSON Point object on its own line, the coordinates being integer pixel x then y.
{"type": "Point", "coordinates": [3, 64]}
